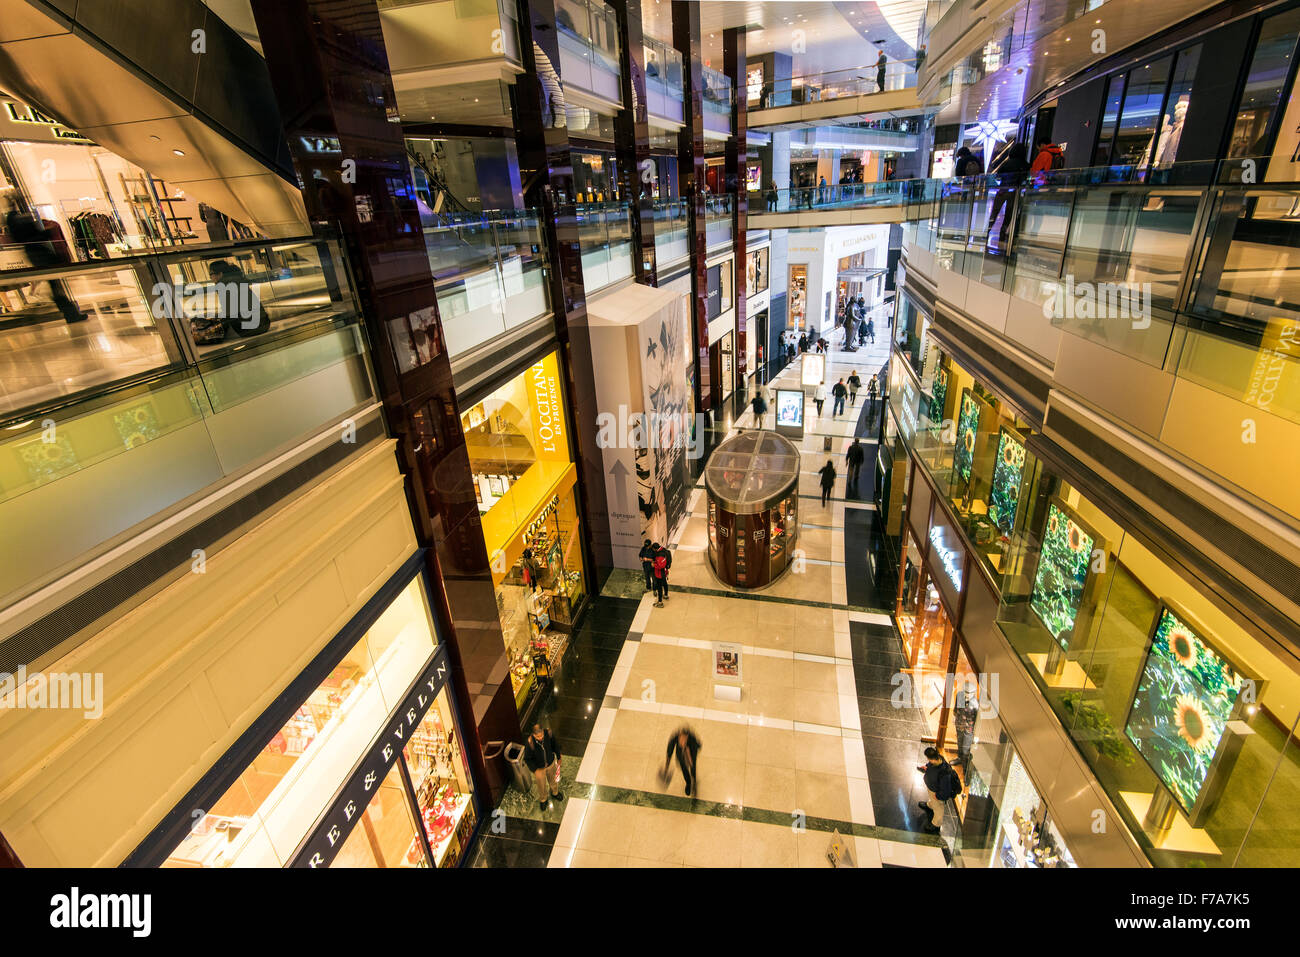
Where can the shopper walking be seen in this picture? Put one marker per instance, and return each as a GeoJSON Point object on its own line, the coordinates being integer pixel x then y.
{"type": "Point", "coordinates": [838, 392]}
{"type": "Point", "coordinates": [37, 242]}
{"type": "Point", "coordinates": [854, 385]}
{"type": "Point", "coordinates": [828, 479]}
{"type": "Point", "coordinates": [759, 404]}
{"type": "Point", "coordinates": [542, 756]}
{"type": "Point", "coordinates": [803, 343]}
{"type": "Point", "coordinates": [855, 456]}
{"type": "Point", "coordinates": [819, 396]}
{"type": "Point", "coordinates": [661, 578]}
{"type": "Point", "coordinates": [872, 388]}
{"type": "Point", "coordinates": [942, 782]}
{"type": "Point", "coordinates": [685, 745]}
{"type": "Point", "coordinates": [871, 331]}
{"type": "Point", "coordinates": [647, 555]}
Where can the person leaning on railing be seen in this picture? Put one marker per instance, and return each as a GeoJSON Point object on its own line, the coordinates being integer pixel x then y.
{"type": "Point", "coordinates": [1010, 165]}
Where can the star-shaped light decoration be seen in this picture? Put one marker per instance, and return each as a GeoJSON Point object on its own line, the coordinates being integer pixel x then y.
{"type": "Point", "coordinates": [987, 133]}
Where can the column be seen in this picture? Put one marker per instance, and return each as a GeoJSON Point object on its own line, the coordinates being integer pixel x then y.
{"type": "Point", "coordinates": [632, 140]}
{"type": "Point", "coordinates": [690, 177]}
{"type": "Point", "coordinates": [546, 167]}
{"type": "Point", "coordinates": [733, 64]}
{"type": "Point", "coordinates": [329, 69]}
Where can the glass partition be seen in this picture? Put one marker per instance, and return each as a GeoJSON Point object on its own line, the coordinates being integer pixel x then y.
{"type": "Point", "coordinates": [672, 231]}
{"type": "Point", "coordinates": [605, 238]}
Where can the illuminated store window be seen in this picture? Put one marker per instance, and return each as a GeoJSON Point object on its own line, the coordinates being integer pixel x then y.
{"type": "Point", "coordinates": [264, 816]}
{"type": "Point", "coordinates": [1187, 720]}
{"type": "Point", "coordinates": [385, 836]}
{"type": "Point", "coordinates": [524, 478]}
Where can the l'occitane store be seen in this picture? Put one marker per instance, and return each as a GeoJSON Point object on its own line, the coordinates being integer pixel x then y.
{"type": "Point", "coordinates": [524, 478]}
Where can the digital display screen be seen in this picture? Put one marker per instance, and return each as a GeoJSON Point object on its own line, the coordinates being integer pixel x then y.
{"type": "Point", "coordinates": [1184, 701]}
{"type": "Point", "coordinates": [1062, 572]}
{"type": "Point", "coordinates": [1007, 472]}
{"type": "Point", "coordinates": [968, 424]}
{"type": "Point", "coordinates": [814, 369]}
{"type": "Point", "coordinates": [789, 408]}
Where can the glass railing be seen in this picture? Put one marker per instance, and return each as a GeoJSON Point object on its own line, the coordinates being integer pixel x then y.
{"type": "Point", "coordinates": [844, 195]}
{"type": "Point", "coordinates": [175, 372]}
{"type": "Point", "coordinates": [718, 220]}
{"type": "Point", "coordinates": [605, 239]}
{"type": "Point", "coordinates": [836, 84]}
{"type": "Point", "coordinates": [664, 85]}
{"type": "Point", "coordinates": [589, 47]}
{"type": "Point", "coordinates": [672, 220]}
{"type": "Point", "coordinates": [489, 274]}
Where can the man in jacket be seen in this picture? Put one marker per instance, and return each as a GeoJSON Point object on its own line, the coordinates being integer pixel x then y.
{"type": "Point", "coordinates": [759, 404]}
{"type": "Point", "coordinates": [855, 456]}
{"type": "Point", "coordinates": [941, 781]}
{"type": "Point", "coordinates": [838, 392]}
{"type": "Point", "coordinates": [542, 755]}
{"type": "Point", "coordinates": [1048, 157]}
{"type": "Point", "coordinates": [686, 746]}
{"type": "Point", "coordinates": [647, 556]}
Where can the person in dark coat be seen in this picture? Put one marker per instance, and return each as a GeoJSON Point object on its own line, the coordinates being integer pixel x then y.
{"type": "Point", "coordinates": [666, 554]}
{"type": "Point", "coordinates": [838, 393]}
{"type": "Point", "coordinates": [827, 472]}
{"type": "Point", "coordinates": [29, 233]}
{"type": "Point", "coordinates": [941, 781]}
{"type": "Point", "coordinates": [803, 343]}
{"type": "Point", "coordinates": [855, 383]}
{"type": "Point", "coordinates": [881, 62]}
{"type": "Point", "coordinates": [1010, 165]}
{"type": "Point", "coordinates": [759, 404]}
{"type": "Point", "coordinates": [685, 744]}
{"type": "Point", "coordinates": [647, 556]}
{"type": "Point", "coordinates": [542, 756]}
{"type": "Point", "coordinates": [855, 456]}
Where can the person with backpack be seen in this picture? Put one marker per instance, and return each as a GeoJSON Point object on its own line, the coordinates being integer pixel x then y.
{"type": "Point", "coordinates": [827, 472]}
{"type": "Point", "coordinates": [838, 391]}
{"type": "Point", "coordinates": [667, 555]}
{"type": "Point", "coordinates": [1049, 157]}
{"type": "Point", "coordinates": [647, 556]}
{"type": "Point", "coordinates": [855, 456]}
{"type": "Point", "coordinates": [855, 384]}
{"type": "Point", "coordinates": [941, 781]}
{"type": "Point", "coordinates": [661, 578]}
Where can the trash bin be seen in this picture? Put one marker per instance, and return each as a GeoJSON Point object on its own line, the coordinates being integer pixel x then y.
{"type": "Point", "coordinates": [494, 762]}
{"type": "Point", "coordinates": [523, 779]}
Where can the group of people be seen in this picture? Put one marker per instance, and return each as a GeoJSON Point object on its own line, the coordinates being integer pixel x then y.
{"type": "Point", "coordinates": [1011, 165]}
{"type": "Point", "coordinates": [655, 562]}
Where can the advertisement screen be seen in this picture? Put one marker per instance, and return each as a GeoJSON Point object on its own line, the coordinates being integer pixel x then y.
{"type": "Point", "coordinates": [968, 424]}
{"type": "Point", "coordinates": [1062, 573]}
{"type": "Point", "coordinates": [789, 408]}
{"type": "Point", "coordinates": [813, 371]}
{"type": "Point", "coordinates": [1005, 494]}
{"type": "Point", "coordinates": [1184, 700]}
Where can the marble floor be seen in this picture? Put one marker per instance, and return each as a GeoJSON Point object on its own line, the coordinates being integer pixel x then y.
{"type": "Point", "coordinates": [812, 748]}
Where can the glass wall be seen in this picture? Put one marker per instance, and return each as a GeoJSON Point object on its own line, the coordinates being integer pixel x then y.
{"type": "Point", "coordinates": [267, 815]}
{"type": "Point", "coordinates": [1186, 719]}
{"type": "Point", "coordinates": [517, 439]}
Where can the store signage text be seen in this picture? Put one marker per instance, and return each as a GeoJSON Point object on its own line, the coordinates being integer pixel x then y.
{"type": "Point", "coordinates": [350, 803]}
{"type": "Point", "coordinates": [537, 523]}
{"type": "Point", "coordinates": [948, 557]}
{"type": "Point", "coordinates": [21, 113]}
{"type": "Point", "coordinates": [546, 395]}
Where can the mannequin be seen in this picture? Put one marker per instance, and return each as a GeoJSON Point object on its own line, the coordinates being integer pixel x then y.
{"type": "Point", "coordinates": [1171, 134]}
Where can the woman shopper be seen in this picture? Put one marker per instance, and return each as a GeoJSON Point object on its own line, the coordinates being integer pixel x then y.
{"type": "Point", "coordinates": [819, 396]}
{"type": "Point", "coordinates": [828, 479]}
{"type": "Point", "coordinates": [661, 578]}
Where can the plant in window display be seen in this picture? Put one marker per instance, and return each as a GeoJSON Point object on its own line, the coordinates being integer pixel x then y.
{"type": "Point", "coordinates": [937, 398]}
{"type": "Point", "coordinates": [1007, 472]}
{"type": "Point", "coordinates": [1062, 572]}
{"type": "Point", "coordinates": [1186, 695]}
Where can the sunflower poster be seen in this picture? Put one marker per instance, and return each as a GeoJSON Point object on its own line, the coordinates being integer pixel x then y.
{"type": "Point", "coordinates": [938, 397]}
{"type": "Point", "coordinates": [1061, 574]}
{"type": "Point", "coordinates": [968, 424]}
{"type": "Point", "coordinates": [1185, 698]}
{"type": "Point", "coordinates": [1005, 494]}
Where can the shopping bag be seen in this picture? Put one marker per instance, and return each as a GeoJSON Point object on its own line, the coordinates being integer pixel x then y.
{"type": "Point", "coordinates": [557, 770]}
{"type": "Point", "coordinates": [666, 775]}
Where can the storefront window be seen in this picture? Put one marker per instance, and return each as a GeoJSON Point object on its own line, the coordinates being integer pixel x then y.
{"type": "Point", "coordinates": [756, 277]}
{"type": "Point", "coordinates": [1142, 105]}
{"type": "Point", "coordinates": [385, 836]}
{"type": "Point", "coordinates": [443, 791]}
{"type": "Point", "coordinates": [1183, 716]}
{"type": "Point", "coordinates": [264, 816]}
{"type": "Point", "coordinates": [1265, 84]}
{"type": "Point", "coordinates": [519, 453]}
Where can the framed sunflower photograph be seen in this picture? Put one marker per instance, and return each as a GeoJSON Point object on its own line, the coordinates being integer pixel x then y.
{"type": "Point", "coordinates": [968, 426]}
{"type": "Point", "coordinates": [1186, 694]}
{"type": "Point", "coordinates": [1061, 578]}
{"type": "Point", "coordinates": [1008, 469]}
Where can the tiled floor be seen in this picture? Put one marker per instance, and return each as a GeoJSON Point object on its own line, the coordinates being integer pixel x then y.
{"type": "Point", "coordinates": [812, 747]}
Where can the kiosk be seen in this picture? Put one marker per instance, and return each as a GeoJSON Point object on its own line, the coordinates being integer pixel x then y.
{"type": "Point", "coordinates": [753, 484]}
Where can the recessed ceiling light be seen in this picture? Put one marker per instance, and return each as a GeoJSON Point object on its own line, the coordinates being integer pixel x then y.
{"type": "Point", "coordinates": [179, 152]}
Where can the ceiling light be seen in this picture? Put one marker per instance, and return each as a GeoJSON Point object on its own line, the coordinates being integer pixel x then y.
{"type": "Point", "coordinates": [179, 152]}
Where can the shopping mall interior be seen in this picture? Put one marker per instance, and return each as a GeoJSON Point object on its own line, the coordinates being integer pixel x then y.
{"type": "Point", "coordinates": [691, 433]}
